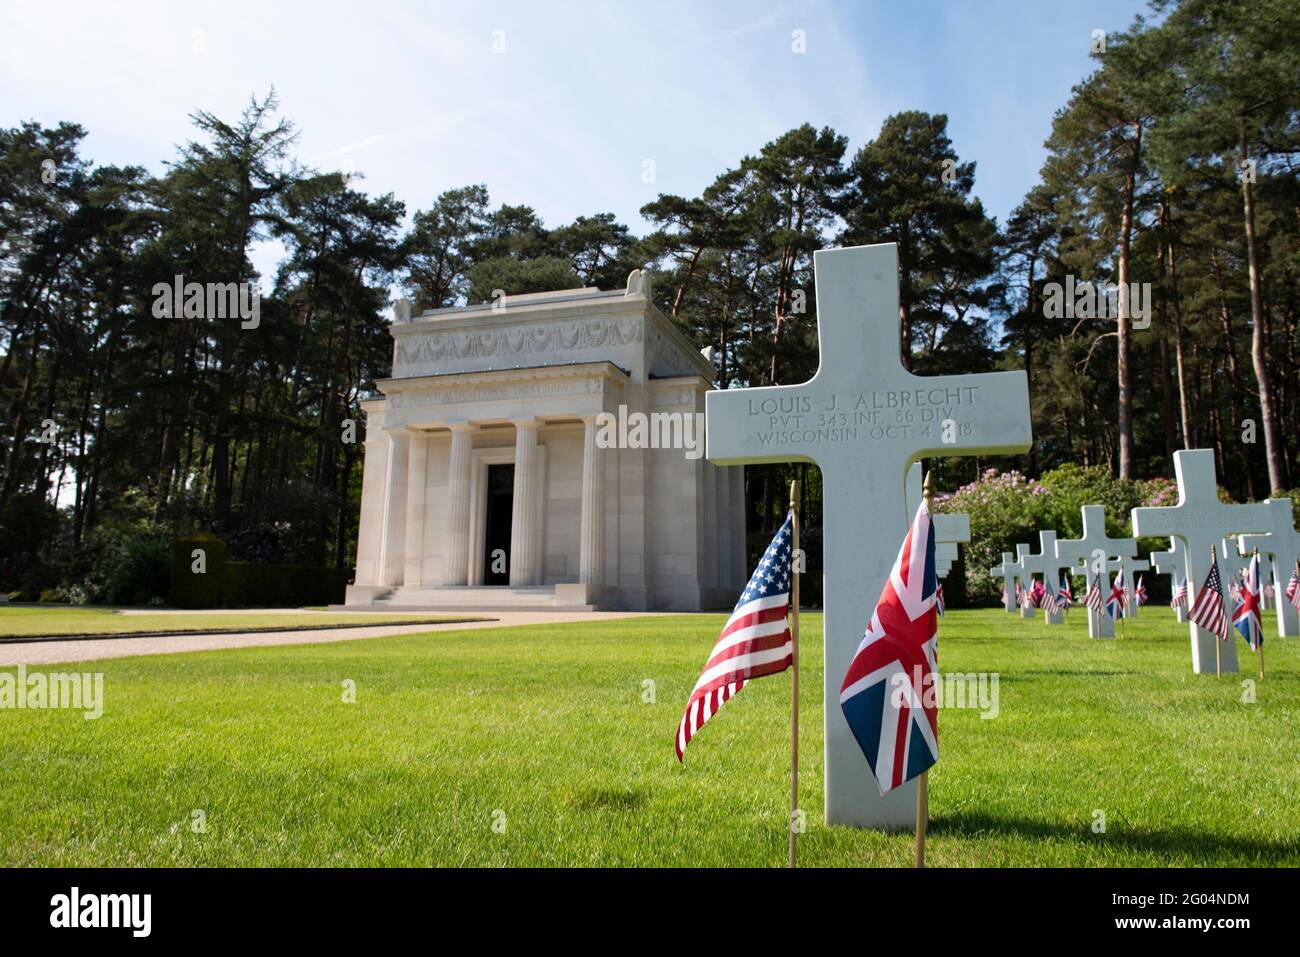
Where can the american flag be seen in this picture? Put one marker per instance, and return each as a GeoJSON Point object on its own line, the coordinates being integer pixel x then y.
{"type": "Point", "coordinates": [1093, 597]}
{"type": "Point", "coordinates": [1066, 597]}
{"type": "Point", "coordinates": [1115, 604]}
{"type": "Point", "coordinates": [1020, 596]}
{"type": "Point", "coordinates": [1208, 610]}
{"type": "Point", "coordinates": [1140, 593]}
{"type": "Point", "coordinates": [754, 642]}
{"type": "Point", "coordinates": [1293, 588]}
{"type": "Point", "coordinates": [888, 694]}
{"type": "Point", "coordinates": [1049, 603]}
{"type": "Point", "coordinates": [1180, 596]}
{"type": "Point", "coordinates": [1246, 619]}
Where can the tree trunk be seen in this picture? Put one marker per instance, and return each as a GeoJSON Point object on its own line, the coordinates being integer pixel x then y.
{"type": "Point", "coordinates": [1125, 375]}
{"type": "Point", "coordinates": [1272, 441]}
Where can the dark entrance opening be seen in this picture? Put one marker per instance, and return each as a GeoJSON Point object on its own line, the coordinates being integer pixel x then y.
{"type": "Point", "coordinates": [496, 536]}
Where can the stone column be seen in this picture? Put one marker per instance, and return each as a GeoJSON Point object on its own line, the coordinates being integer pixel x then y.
{"type": "Point", "coordinates": [455, 569]}
{"type": "Point", "coordinates": [417, 462]}
{"type": "Point", "coordinates": [523, 515]}
{"type": "Point", "coordinates": [713, 522]}
{"type": "Point", "coordinates": [591, 543]}
{"type": "Point", "coordinates": [392, 550]}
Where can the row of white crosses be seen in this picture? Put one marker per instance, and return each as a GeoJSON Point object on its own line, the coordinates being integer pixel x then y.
{"type": "Point", "coordinates": [1095, 554]}
{"type": "Point", "coordinates": [1200, 522]}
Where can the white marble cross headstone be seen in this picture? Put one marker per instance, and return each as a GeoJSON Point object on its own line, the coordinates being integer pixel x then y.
{"type": "Point", "coordinates": [1131, 567]}
{"type": "Point", "coordinates": [1007, 572]}
{"type": "Point", "coordinates": [1026, 576]}
{"type": "Point", "coordinates": [950, 528]}
{"type": "Point", "coordinates": [1282, 543]}
{"type": "Point", "coordinates": [1170, 562]}
{"type": "Point", "coordinates": [1096, 555]}
{"type": "Point", "coordinates": [1201, 521]}
{"type": "Point", "coordinates": [863, 419]}
{"type": "Point", "coordinates": [1047, 565]}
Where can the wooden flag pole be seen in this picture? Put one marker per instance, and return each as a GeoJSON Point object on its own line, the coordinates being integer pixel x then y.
{"type": "Point", "coordinates": [1260, 608]}
{"type": "Point", "coordinates": [795, 560]}
{"type": "Point", "coordinates": [922, 795]}
{"type": "Point", "coordinates": [1218, 652]}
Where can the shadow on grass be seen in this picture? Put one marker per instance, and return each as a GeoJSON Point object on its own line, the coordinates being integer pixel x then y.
{"type": "Point", "coordinates": [1067, 673]}
{"type": "Point", "coordinates": [1171, 840]}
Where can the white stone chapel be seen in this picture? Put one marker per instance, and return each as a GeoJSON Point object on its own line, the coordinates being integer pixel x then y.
{"type": "Point", "coordinates": [485, 484]}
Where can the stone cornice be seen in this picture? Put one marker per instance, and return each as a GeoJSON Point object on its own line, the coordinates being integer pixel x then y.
{"type": "Point", "coordinates": [577, 379]}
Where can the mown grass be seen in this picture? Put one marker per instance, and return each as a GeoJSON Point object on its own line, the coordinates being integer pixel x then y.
{"type": "Point", "coordinates": [30, 620]}
{"type": "Point", "coordinates": [544, 730]}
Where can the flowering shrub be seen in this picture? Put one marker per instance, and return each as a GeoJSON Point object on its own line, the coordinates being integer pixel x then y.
{"type": "Point", "coordinates": [1008, 508]}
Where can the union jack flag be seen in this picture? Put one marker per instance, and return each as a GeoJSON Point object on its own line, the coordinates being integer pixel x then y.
{"type": "Point", "coordinates": [1208, 609]}
{"type": "Point", "coordinates": [1246, 619]}
{"type": "Point", "coordinates": [888, 695]}
{"type": "Point", "coordinates": [1140, 593]}
{"type": "Point", "coordinates": [1115, 603]}
{"type": "Point", "coordinates": [1065, 595]}
{"type": "Point", "coordinates": [938, 599]}
{"type": "Point", "coordinates": [754, 642]}
{"type": "Point", "coordinates": [1180, 596]}
{"type": "Point", "coordinates": [1293, 588]}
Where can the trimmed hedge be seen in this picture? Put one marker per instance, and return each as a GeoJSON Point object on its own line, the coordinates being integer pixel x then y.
{"type": "Point", "coordinates": [225, 584]}
{"type": "Point", "coordinates": [245, 584]}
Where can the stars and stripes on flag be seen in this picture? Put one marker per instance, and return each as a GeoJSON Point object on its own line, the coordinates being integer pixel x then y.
{"type": "Point", "coordinates": [1293, 589]}
{"type": "Point", "coordinates": [1115, 603]}
{"type": "Point", "coordinates": [1180, 596]}
{"type": "Point", "coordinates": [1208, 610]}
{"type": "Point", "coordinates": [1093, 596]}
{"type": "Point", "coordinates": [888, 695]}
{"type": "Point", "coordinates": [754, 642]}
{"type": "Point", "coordinates": [1246, 617]}
{"type": "Point", "coordinates": [1140, 593]}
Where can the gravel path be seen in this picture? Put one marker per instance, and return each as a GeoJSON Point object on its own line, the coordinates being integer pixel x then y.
{"type": "Point", "coordinates": [53, 652]}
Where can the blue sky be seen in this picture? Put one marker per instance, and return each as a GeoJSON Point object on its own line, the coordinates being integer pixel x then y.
{"type": "Point", "coordinates": [565, 117]}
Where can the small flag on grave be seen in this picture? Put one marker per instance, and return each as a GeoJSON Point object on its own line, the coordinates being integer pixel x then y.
{"type": "Point", "coordinates": [1246, 619]}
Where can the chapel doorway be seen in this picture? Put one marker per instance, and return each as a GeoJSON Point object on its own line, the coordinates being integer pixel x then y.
{"type": "Point", "coordinates": [496, 537]}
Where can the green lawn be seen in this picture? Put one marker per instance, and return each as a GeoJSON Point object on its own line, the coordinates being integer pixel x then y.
{"type": "Point", "coordinates": [25, 620]}
{"type": "Point", "coordinates": [547, 725]}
